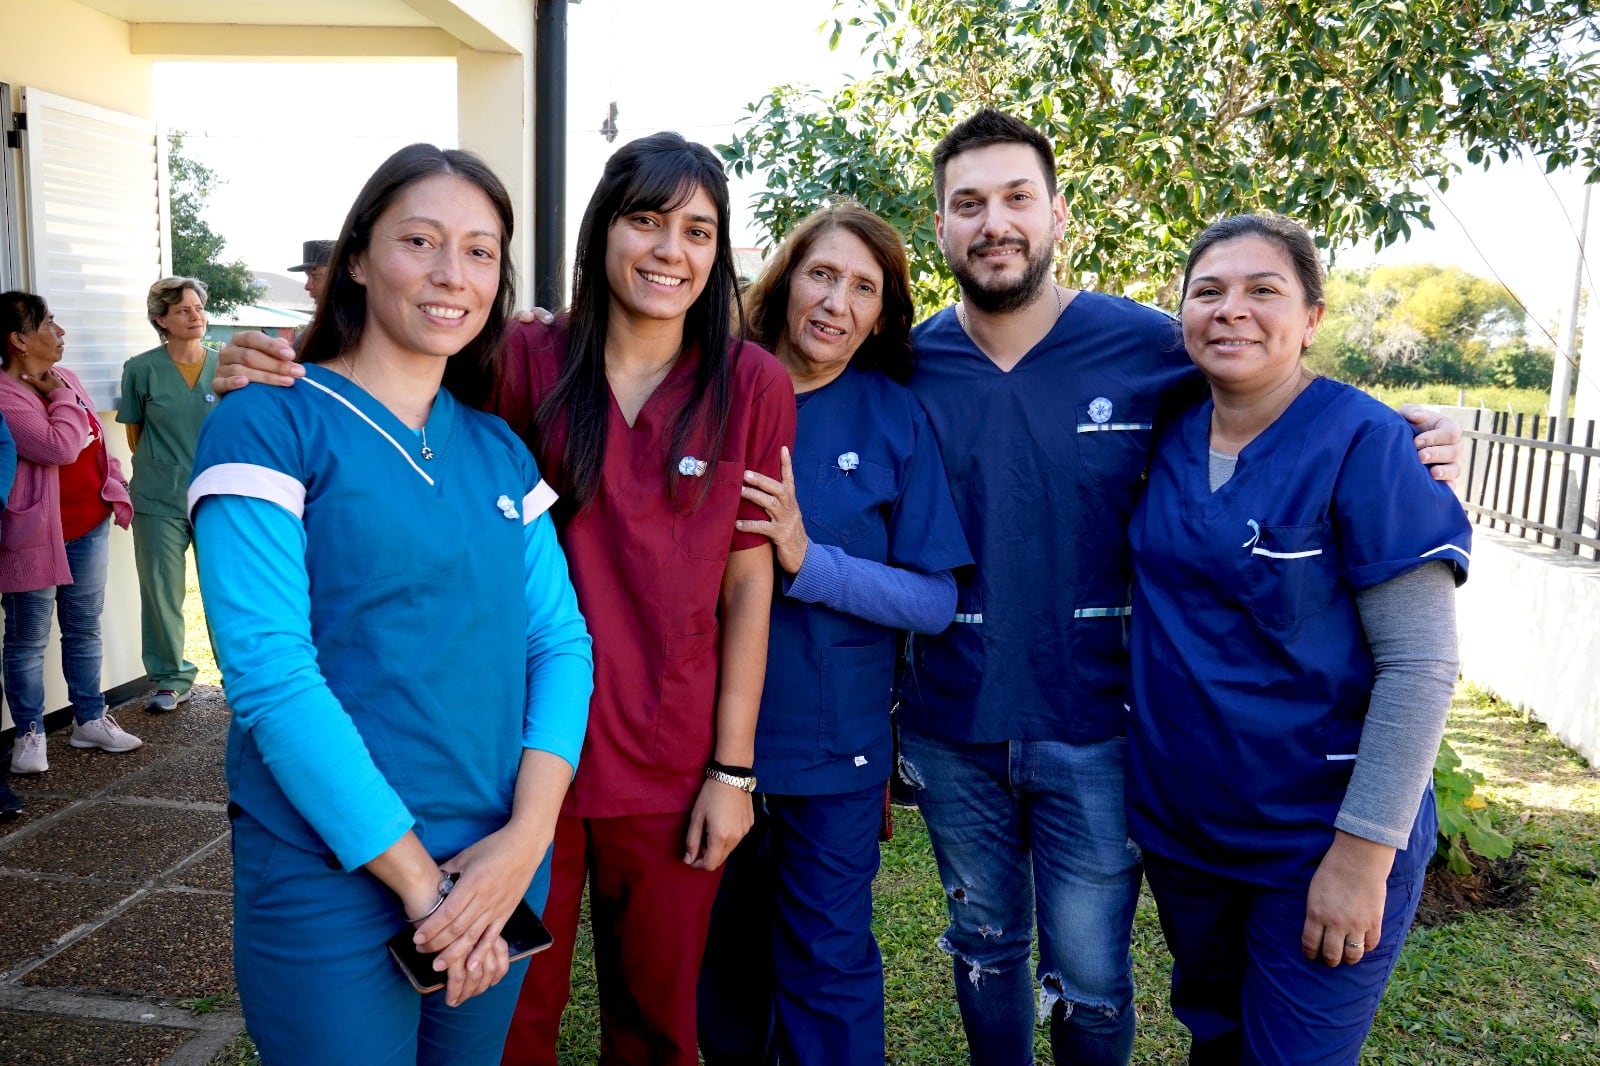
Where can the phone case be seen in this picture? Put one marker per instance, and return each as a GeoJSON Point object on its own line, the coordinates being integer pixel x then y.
{"type": "Point", "coordinates": [524, 935]}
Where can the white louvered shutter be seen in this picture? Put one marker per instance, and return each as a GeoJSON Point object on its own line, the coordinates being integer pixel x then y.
{"type": "Point", "coordinates": [95, 188]}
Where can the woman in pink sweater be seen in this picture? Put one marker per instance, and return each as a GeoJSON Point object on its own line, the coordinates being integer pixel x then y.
{"type": "Point", "coordinates": [53, 542]}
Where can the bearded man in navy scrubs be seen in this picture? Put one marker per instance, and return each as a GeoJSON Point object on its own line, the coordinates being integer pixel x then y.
{"type": "Point", "coordinates": [1043, 400]}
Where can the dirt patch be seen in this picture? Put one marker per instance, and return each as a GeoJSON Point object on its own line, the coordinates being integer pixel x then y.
{"type": "Point", "coordinates": [1492, 885]}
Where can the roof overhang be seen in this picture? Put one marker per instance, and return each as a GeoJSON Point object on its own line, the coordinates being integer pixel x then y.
{"type": "Point", "coordinates": [322, 29]}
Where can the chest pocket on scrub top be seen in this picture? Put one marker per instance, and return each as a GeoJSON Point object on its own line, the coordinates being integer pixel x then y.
{"type": "Point", "coordinates": [847, 505]}
{"type": "Point", "coordinates": [1290, 573]}
{"type": "Point", "coordinates": [1114, 438]}
{"type": "Point", "coordinates": [703, 528]}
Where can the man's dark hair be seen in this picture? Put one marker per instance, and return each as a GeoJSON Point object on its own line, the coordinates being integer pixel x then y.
{"type": "Point", "coordinates": [986, 128]}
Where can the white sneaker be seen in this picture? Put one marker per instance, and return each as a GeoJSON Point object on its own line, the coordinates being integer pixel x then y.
{"type": "Point", "coordinates": [29, 757]}
{"type": "Point", "coordinates": [104, 733]}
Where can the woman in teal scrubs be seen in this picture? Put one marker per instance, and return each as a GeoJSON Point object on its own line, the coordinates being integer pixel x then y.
{"type": "Point", "coordinates": [166, 394]}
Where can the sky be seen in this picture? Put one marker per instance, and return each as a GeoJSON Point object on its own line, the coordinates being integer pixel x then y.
{"type": "Point", "coordinates": [288, 177]}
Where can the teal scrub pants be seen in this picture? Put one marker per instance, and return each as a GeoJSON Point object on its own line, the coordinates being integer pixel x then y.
{"type": "Point", "coordinates": [317, 983]}
{"type": "Point", "coordinates": [159, 544]}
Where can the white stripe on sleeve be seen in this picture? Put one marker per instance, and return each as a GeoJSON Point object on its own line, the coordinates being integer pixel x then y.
{"type": "Point", "coordinates": [248, 479]}
{"type": "Point", "coordinates": [538, 500]}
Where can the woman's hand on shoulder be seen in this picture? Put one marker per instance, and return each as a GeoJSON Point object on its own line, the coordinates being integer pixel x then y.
{"type": "Point", "coordinates": [252, 356]}
{"type": "Point", "coordinates": [538, 314]}
{"type": "Point", "coordinates": [1344, 906]}
{"type": "Point", "coordinates": [785, 525]}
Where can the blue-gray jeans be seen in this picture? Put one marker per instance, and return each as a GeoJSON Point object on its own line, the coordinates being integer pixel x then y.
{"type": "Point", "coordinates": [27, 634]}
{"type": "Point", "coordinates": [1030, 829]}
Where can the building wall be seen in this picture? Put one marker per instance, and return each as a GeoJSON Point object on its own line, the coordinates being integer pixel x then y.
{"type": "Point", "coordinates": [1529, 620]}
{"type": "Point", "coordinates": [35, 45]}
{"type": "Point", "coordinates": [39, 38]}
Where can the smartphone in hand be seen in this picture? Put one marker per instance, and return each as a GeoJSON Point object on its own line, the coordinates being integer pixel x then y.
{"type": "Point", "coordinates": [524, 935]}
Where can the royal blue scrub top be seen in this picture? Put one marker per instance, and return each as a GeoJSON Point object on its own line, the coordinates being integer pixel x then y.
{"type": "Point", "coordinates": [1251, 672]}
{"type": "Point", "coordinates": [1045, 462]}
{"type": "Point", "coordinates": [869, 480]}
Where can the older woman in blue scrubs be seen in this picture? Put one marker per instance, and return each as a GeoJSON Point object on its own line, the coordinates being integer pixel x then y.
{"type": "Point", "coordinates": [865, 535]}
{"type": "Point", "coordinates": [1286, 710]}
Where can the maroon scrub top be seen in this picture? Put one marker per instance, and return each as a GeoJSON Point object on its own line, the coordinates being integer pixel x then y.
{"type": "Point", "coordinates": [648, 569]}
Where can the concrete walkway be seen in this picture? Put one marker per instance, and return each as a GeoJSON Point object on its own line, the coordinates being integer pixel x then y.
{"type": "Point", "coordinates": [116, 920]}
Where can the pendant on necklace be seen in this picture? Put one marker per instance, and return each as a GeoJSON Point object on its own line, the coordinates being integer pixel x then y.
{"type": "Point", "coordinates": [427, 452]}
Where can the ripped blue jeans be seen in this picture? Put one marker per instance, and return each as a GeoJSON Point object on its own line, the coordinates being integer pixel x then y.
{"type": "Point", "coordinates": [1030, 828]}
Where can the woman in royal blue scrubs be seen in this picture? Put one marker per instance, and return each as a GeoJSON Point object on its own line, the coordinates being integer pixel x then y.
{"type": "Point", "coordinates": [865, 534]}
{"type": "Point", "coordinates": [1286, 708]}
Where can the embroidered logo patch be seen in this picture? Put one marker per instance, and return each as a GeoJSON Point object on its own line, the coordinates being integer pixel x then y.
{"type": "Point", "coordinates": [849, 461]}
{"type": "Point", "coordinates": [1100, 410]}
{"type": "Point", "coordinates": [689, 466]}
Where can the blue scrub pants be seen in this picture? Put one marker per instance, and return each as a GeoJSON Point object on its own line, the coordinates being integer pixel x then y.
{"type": "Point", "coordinates": [1030, 828]}
{"type": "Point", "coordinates": [792, 971]}
{"type": "Point", "coordinates": [1240, 983]}
{"type": "Point", "coordinates": [77, 607]}
{"type": "Point", "coordinates": [315, 977]}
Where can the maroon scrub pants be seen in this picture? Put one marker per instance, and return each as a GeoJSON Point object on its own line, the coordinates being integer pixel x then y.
{"type": "Point", "coordinates": [649, 913]}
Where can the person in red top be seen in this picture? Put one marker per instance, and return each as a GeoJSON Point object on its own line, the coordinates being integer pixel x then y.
{"type": "Point", "coordinates": [644, 411]}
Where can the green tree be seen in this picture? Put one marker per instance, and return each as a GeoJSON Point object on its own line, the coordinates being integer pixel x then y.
{"type": "Point", "coordinates": [1167, 114]}
{"type": "Point", "coordinates": [196, 248]}
{"type": "Point", "coordinates": [1422, 323]}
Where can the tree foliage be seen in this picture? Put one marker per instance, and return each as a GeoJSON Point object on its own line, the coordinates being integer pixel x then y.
{"type": "Point", "coordinates": [1420, 323]}
{"type": "Point", "coordinates": [196, 248]}
{"type": "Point", "coordinates": [1167, 114]}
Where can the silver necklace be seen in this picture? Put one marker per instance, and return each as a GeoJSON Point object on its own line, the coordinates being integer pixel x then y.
{"type": "Point", "coordinates": [961, 310]}
{"type": "Point", "coordinates": [427, 452]}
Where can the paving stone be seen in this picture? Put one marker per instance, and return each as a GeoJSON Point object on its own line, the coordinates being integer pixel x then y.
{"type": "Point", "coordinates": [194, 775]}
{"type": "Point", "coordinates": [169, 944]}
{"type": "Point", "coordinates": [36, 805]}
{"type": "Point", "coordinates": [214, 872]}
{"type": "Point", "coordinates": [39, 912]}
{"type": "Point", "coordinates": [115, 841]}
{"type": "Point", "coordinates": [203, 719]}
{"type": "Point", "coordinates": [48, 1040]}
{"type": "Point", "coordinates": [79, 772]}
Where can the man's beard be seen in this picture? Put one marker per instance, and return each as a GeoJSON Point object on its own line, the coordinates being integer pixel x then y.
{"type": "Point", "coordinates": [1011, 297]}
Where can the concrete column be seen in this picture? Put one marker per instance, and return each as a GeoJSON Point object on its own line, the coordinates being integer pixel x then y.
{"type": "Point", "coordinates": [494, 105]}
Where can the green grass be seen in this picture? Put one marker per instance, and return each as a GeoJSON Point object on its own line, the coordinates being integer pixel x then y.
{"type": "Point", "coordinates": [1489, 397]}
{"type": "Point", "coordinates": [1498, 987]}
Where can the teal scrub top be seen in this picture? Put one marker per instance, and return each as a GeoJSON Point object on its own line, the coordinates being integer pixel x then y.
{"type": "Point", "coordinates": [156, 398]}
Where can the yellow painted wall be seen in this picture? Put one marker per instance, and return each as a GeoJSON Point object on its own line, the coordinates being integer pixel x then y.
{"type": "Point", "coordinates": [67, 48]}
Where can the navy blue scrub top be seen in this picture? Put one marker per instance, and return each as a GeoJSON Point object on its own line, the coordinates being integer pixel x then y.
{"type": "Point", "coordinates": [869, 480]}
{"type": "Point", "coordinates": [1046, 462]}
{"type": "Point", "coordinates": [1251, 672]}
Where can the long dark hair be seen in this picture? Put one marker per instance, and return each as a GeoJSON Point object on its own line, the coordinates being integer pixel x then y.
{"type": "Point", "coordinates": [889, 349]}
{"type": "Point", "coordinates": [342, 314]}
{"type": "Point", "coordinates": [656, 173]}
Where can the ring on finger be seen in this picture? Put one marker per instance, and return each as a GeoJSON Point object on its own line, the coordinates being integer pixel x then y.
{"type": "Point", "coordinates": [1355, 945]}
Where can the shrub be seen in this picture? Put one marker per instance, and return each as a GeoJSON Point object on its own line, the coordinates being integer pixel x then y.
{"type": "Point", "coordinates": [1463, 814]}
